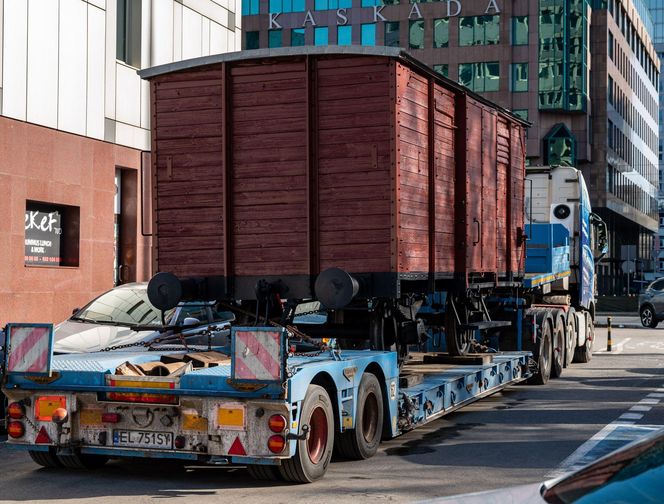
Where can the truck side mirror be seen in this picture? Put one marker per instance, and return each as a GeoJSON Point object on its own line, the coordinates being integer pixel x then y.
{"type": "Point", "coordinates": [600, 237]}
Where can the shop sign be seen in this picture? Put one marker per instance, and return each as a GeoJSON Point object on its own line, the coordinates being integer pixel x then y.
{"type": "Point", "coordinates": [43, 231]}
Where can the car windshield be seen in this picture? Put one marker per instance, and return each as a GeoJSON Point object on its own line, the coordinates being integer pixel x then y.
{"type": "Point", "coordinates": [125, 306]}
{"type": "Point", "coordinates": [635, 474]}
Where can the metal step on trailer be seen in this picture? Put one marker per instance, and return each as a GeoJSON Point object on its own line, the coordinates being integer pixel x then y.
{"type": "Point", "coordinates": [444, 388]}
{"type": "Point", "coordinates": [485, 324]}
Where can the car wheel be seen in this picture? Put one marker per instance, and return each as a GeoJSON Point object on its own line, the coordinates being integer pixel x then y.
{"type": "Point", "coordinates": [648, 317]}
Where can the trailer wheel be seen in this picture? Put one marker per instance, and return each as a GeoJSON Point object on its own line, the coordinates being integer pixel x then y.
{"type": "Point", "coordinates": [584, 352]}
{"type": "Point", "coordinates": [79, 461]}
{"type": "Point", "coordinates": [559, 343]}
{"type": "Point", "coordinates": [45, 458]}
{"type": "Point", "coordinates": [264, 472]}
{"type": "Point", "coordinates": [571, 334]}
{"type": "Point", "coordinates": [362, 442]}
{"type": "Point", "coordinates": [458, 341]}
{"type": "Point", "coordinates": [313, 454]}
{"type": "Point", "coordinates": [544, 355]}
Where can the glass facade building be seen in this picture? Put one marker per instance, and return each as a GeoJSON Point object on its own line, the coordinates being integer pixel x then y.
{"type": "Point", "coordinates": [589, 90]}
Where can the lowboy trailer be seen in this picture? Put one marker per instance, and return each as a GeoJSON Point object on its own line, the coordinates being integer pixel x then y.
{"type": "Point", "coordinates": [363, 217]}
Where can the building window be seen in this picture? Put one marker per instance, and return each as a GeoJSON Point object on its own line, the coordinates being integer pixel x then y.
{"type": "Point", "coordinates": [480, 77]}
{"type": "Point", "coordinates": [283, 5]}
{"type": "Point", "coordinates": [368, 34]}
{"type": "Point", "coordinates": [320, 35]}
{"type": "Point", "coordinates": [479, 30]}
{"type": "Point", "coordinates": [560, 146]}
{"type": "Point", "coordinates": [416, 34]}
{"type": "Point", "coordinates": [392, 33]}
{"type": "Point", "coordinates": [128, 32]}
{"type": "Point", "coordinates": [297, 37]}
{"type": "Point", "coordinates": [519, 77]}
{"type": "Point", "coordinates": [331, 4]}
{"type": "Point", "coordinates": [250, 7]}
{"type": "Point", "coordinates": [523, 114]}
{"type": "Point", "coordinates": [610, 46]}
{"type": "Point", "coordinates": [344, 35]}
{"type": "Point", "coordinates": [274, 38]}
{"type": "Point", "coordinates": [520, 30]}
{"type": "Point", "coordinates": [443, 70]}
{"type": "Point", "coordinates": [371, 3]}
{"type": "Point", "coordinates": [441, 32]}
{"type": "Point", "coordinates": [251, 40]}
{"type": "Point", "coordinates": [51, 234]}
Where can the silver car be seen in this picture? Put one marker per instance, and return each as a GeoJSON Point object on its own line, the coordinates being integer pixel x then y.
{"type": "Point", "coordinates": [651, 304]}
{"type": "Point", "coordinates": [124, 318]}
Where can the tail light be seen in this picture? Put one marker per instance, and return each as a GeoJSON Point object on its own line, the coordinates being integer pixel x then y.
{"type": "Point", "coordinates": [45, 406]}
{"type": "Point", "coordinates": [138, 397]}
{"type": "Point", "coordinates": [276, 443]}
{"type": "Point", "coordinates": [15, 429]}
{"type": "Point", "coordinates": [110, 417]}
{"type": "Point", "coordinates": [15, 410]}
{"type": "Point", "coordinates": [277, 423]}
{"type": "Point", "coordinates": [179, 442]}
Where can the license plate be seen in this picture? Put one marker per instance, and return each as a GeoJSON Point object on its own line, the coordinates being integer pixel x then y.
{"type": "Point", "coordinates": [142, 439]}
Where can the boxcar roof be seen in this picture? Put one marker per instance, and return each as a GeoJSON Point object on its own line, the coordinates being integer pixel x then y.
{"type": "Point", "coordinates": [355, 50]}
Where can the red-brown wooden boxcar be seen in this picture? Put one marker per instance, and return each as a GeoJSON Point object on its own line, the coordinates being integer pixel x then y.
{"type": "Point", "coordinates": [276, 165]}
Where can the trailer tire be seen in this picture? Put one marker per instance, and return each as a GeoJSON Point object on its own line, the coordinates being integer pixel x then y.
{"type": "Point", "coordinates": [544, 355]}
{"type": "Point", "coordinates": [45, 458]}
{"type": "Point", "coordinates": [558, 343]}
{"type": "Point", "coordinates": [264, 472]}
{"type": "Point", "coordinates": [80, 461]}
{"type": "Point", "coordinates": [313, 454]}
{"type": "Point", "coordinates": [571, 334]}
{"type": "Point", "coordinates": [584, 352]}
{"type": "Point", "coordinates": [362, 442]}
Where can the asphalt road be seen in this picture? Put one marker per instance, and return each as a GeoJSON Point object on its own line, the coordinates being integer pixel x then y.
{"type": "Point", "coordinates": [522, 435]}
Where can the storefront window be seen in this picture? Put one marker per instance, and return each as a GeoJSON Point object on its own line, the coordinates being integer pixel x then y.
{"type": "Point", "coordinates": [52, 234]}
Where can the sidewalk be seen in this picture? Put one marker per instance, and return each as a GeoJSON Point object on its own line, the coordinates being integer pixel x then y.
{"type": "Point", "coordinates": [619, 320]}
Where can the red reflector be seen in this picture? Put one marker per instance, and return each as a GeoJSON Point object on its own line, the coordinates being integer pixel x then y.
{"type": "Point", "coordinates": [180, 442]}
{"type": "Point", "coordinates": [42, 436]}
{"type": "Point", "coordinates": [276, 443]}
{"type": "Point", "coordinates": [110, 417]}
{"type": "Point", "coordinates": [138, 397]}
{"type": "Point", "coordinates": [277, 423]}
{"type": "Point", "coordinates": [15, 429]}
{"type": "Point", "coordinates": [15, 410]}
{"type": "Point", "coordinates": [237, 448]}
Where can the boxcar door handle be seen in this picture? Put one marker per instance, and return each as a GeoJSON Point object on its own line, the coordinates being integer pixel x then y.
{"type": "Point", "coordinates": [478, 231]}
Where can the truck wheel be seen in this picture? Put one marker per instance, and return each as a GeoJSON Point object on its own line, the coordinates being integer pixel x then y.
{"type": "Point", "coordinates": [313, 454]}
{"type": "Point", "coordinates": [264, 472]}
{"type": "Point", "coordinates": [79, 461]}
{"type": "Point", "coordinates": [544, 355]}
{"type": "Point", "coordinates": [559, 344]}
{"type": "Point", "coordinates": [45, 458]}
{"type": "Point", "coordinates": [362, 442]}
{"type": "Point", "coordinates": [571, 336]}
{"type": "Point", "coordinates": [584, 352]}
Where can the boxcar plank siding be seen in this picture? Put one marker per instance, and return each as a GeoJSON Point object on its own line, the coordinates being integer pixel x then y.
{"type": "Point", "coordinates": [364, 163]}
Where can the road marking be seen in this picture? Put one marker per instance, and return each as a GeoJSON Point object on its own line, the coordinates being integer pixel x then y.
{"type": "Point", "coordinates": [617, 348]}
{"type": "Point", "coordinates": [640, 408]}
{"type": "Point", "coordinates": [656, 396]}
{"type": "Point", "coordinates": [649, 401]}
{"type": "Point", "coordinates": [611, 437]}
{"type": "Point", "coordinates": [630, 416]}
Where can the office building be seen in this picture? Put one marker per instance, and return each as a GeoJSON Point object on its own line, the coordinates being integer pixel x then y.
{"type": "Point", "coordinates": [585, 73]}
{"type": "Point", "coordinates": [75, 140]}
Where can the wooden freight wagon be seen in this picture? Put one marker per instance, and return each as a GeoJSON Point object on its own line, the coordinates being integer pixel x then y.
{"type": "Point", "coordinates": [272, 166]}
